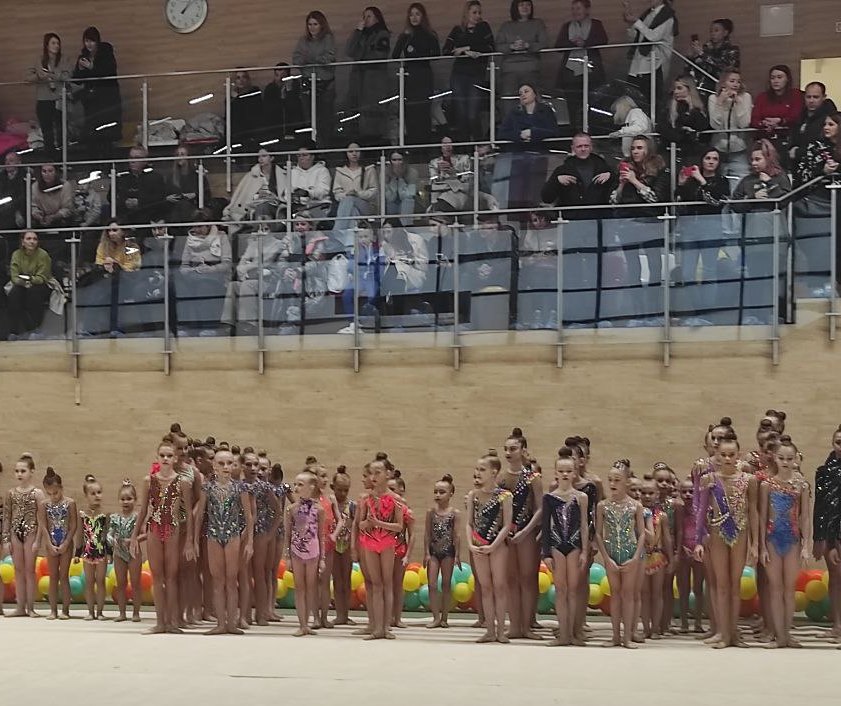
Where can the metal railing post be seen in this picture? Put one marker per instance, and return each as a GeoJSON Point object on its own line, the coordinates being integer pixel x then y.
{"type": "Point", "coordinates": [357, 337]}
{"type": "Point", "coordinates": [653, 85]}
{"type": "Point", "coordinates": [834, 275]}
{"type": "Point", "coordinates": [666, 282]}
{"type": "Point", "coordinates": [585, 94]}
{"type": "Point", "coordinates": [382, 184]}
{"type": "Point", "coordinates": [261, 342]}
{"type": "Point", "coordinates": [28, 178]}
{"type": "Point", "coordinates": [313, 107]}
{"type": "Point", "coordinates": [201, 172]}
{"type": "Point", "coordinates": [113, 188]}
{"type": "Point", "coordinates": [74, 240]}
{"type": "Point", "coordinates": [167, 238]}
{"type": "Point", "coordinates": [144, 97]}
{"type": "Point", "coordinates": [228, 185]}
{"type": "Point", "coordinates": [65, 137]}
{"type": "Point", "coordinates": [288, 178]}
{"type": "Point", "coordinates": [673, 169]}
{"type": "Point", "coordinates": [457, 228]}
{"type": "Point", "coordinates": [475, 186]}
{"type": "Point", "coordinates": [401, 82]}
{"type": "Point", "coordinates": [559, 293]}
{"type": "Point", "coordinates": [775, 289]}
{"type": "Point", "coordinates": [492, 126]}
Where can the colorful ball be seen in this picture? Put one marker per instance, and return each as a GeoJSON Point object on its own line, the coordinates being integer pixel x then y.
{"type": "Point", "coordinates": [289, 599]}
{"type": "Point", "coordinates": [423, 576]}
{"type": "Point", "coordinates": [148, 597]}
{"type": "Point", "coordinates": [746, 608]}
{"type": "Point", "coordinates": [411, 601]}
{"type": "Point", "coordinates": [9, 592]}
{"type": "Point", "coordinates": [802, 580]}
{"type": "Point", "coordinates": [77, 588]}
{"type": "Point", "coordinates": [423, 595]}
{"type": "Point", "coordinates": [749, 572]}
{"type": "Point", "coordinates": [280, 590]}
{"type": "Point", "coordinates": [815, 610]}
{"type": "Point", "coordinates": [597, 573]}
{"type": "Point", "coordinates": [7, 573]}
{"type": "Point", "coordinates": [596, 595]}
{"type": "Point", "coordinates": [544, 604]}
{"type": "Point", "coordinates": [747, 587]}
{"type": "Point", "coordinates": [604, 584]}
{"type": "Point", "coordinates": [361, 594]}
{"type": "Point", "coordinates": [816, 591]}
{"type": "Point", "coordinates": [356, 580]}
{"type": "Point", "coordinates": [145, 580]}
{"type": "Point", "coordinates": [42, 568]}
{"type": "Point", "coordinates": [8, 560]}
{"type": "Point", "coordinates": [281, 569]}
{"type": "Point", "coordinates": [460, 575]}
{"type": "Point", "coordinates": [825, 578]}
{"type": "Point", "coordinates": [414, 566]}
{"type": "Point", "coordinates": [411, 582]}
{"type": "Point", "coordinates": [471, 582]}
{"type": "Point", "coordinates": [543, 582]}
{"type": "Point", "coordinates": [289, 579]}
{"type": "Point", "coordinates": [800, 601]}
{"type": "Point", "coordinates": [461, 592]}
{"type": "Point", "coordinates": [145, 566]}
{"type": "Point", "coordinates": [76, 569]}
{"type": "Point", "coordinates": [44, 585]}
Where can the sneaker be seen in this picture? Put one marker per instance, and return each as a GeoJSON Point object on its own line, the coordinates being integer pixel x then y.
{"type": "Point", "coordinates": [13, 337]}
{"type": "Point", "coordinates": [182, 333]}
{"type": "Point", "coordinates": [287, 330]}
{"type": "Point", "coordinates": [36, 336]}
{"type": "Point", "coordinates": [552, 321]}
{"type": "Point", "coordinates": [537, 320]}
{"type": "Point", "coordinates": [208, 332]}
{"type": "Point", "coordinates": [351, 329]}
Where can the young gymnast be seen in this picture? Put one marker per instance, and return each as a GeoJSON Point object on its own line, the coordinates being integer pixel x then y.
{"type": "Point", "coordinates": [164, 494]}
{"type": "Point", "coordinates": [785, 539]}
{"type": "Point", "coordinates": [729, 506]}
{"type": "Point", "coordinates": [689, 571]}
{"type": "Point", "coordinates": [357, 554]}
{"type": "Point", "coordinates": [405, 543]}
{"type": "Point", "coordinates": [490, 513]}
{"type": "Point", "coordinates": [827, 527]}
{"type": "Point", "coordinates": [669, 500]}
{"type": "Point", "coordinates": [21, 534]}
{"type": "Point", "coordinates": [526, 488]}
{"type": "Point", "coordinates": [477, 591]}
{"type": "Point", "coordinates": [620, 534]}
{"type": "Point", "coordinates": [635, 492]}
{"type": "Point", "coordinates": [57, 518]}
{"type": "Point", "coordinates": [442, 540]}
{"type": "Point", "coordinates": [94, 547]}
{"type": "Point", "coordinates": [327, 500]}
{"type": "Point", "coordinates": [565, 544]}
{"type": "Point", "coordinates": [304, 527]}
{"type": "Point", "coordinates": [658, 552]}
{"type": "Point", "coordinates": [227, 523]}
{"type": "Point", "coordinates": [126, 566]}
{"type": "Point", "coordinates": [380, 521]}
{"type": "Point", "coordinates": [283, 494]}
{"type": "Point", "coordinates": [342, 560]}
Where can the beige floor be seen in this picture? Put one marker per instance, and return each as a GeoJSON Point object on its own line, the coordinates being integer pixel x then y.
{"type": "Point", "coordinates": [114, 663]}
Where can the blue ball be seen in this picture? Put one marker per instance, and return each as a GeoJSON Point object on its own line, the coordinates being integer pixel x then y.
{"type": "Point", "coordinates": [749, 572]}
{"type": "Point", "coordinates": [597, 573]}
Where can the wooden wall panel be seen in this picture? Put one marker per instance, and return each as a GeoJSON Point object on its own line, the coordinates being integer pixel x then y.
{"type": "Point", "coordinates": [262, 32]}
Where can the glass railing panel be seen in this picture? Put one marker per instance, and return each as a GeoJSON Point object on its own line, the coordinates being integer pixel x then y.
{"type": "Point", "coordinates": [487, 276]}
{"type": "Point", "coordinates": [812, 238]}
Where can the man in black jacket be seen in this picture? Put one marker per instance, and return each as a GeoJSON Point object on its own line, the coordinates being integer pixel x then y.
{"type": "Point", "coordinates": [141, 193]}
{"type": "Point", "coordinates": [810, 128]}
{"type": "Point", "coordinates": [584, 179]}
{"type": "Point", "coordinates": [282, 110]}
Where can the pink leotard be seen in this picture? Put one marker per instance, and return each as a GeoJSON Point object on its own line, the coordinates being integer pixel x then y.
{"type": "Point", "coordinates": [379, 539]}
{"type": "Point", "coordinates": [304, 543]}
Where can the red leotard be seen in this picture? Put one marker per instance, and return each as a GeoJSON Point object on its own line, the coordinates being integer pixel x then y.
{"type": "Point", "coordinates": [162, 501]}
{"type": "Point", "coordinates": [329, 523]}
{"type": "Point", "coordinates": [402, 545]}
{"type": "Point", "coordinates": [378, 539]}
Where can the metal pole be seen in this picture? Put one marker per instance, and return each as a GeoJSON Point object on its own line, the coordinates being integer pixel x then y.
{"type": "Point", "coordinates": [113, 190]}
{"type": "Point", "coordinates": [261, 347]}
{"type": "Point", "coordinates": [313, 107]}
{"type": "Point", "coordinates": [144, 95]}
{"type": "Point", "coordinates": [65, 137]}
{"type": "Point", "coordinates": [666, 281]}
{"type": "Point", "coordinates": [74, 334]}
{"type": "Point", "coordinates": [585, 91]}
{"type": "Point", "coordinates": [492, 127]}
{"type": "Point", "coordinates": [288, 178]}
{"type": "Point", "coordinates": [228, 134]}
{"type": "Point", "coordinates": [28, 197]}
{"type": "Point", "coordinates": [673, 169]}
{"type": "Point", "coordinates": [357, 338]}
{"type": "Point", "coordinates": [559, 293]}
{"type": "Point", "coordinates": [202, 171]}
{"type": "Point", "coordinates": [456, 299]}
{"type": "Point", "coordinates": [382, 184]}
{"type": "Point", "coordinates": [653, 85]}
{"type": "Point", "coordinates": [788, 315]}
{"type": "Point", "coordinates": [833, 259]}
{"type": "Point", "coordinates": [401, 82]}
{"type": "Point", "coordinates": [475, 186]}
{"type": "Point", "coordinates": [166, 237]}
{"type": "Point", "coordinates": [775, 290]}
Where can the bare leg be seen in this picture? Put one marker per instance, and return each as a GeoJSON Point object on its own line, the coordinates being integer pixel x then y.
{"type": "Point", "coordinates": [499, 587]}
{"type": "Point", "coordinates": [615, 579]}
{"type": "Point", "coordinates": [435, 603]}
{"type": "Point", "coordinates": [573, 575]}
{"type": "Point", "coordinates": [482, 568]}
{"type": "Point", "coordinates": [342, 569]}
{"type": "Point", "coordinates": [135, 568]}
{"type": "Point", "coordinates": [398, 573]}
{"type": "Point", "coordinates": [684, 571]}
{"type": "Point", "coordinates": [376, 597]}
{"type": "Point", "coordinates": [562, 593]}
{"type": "Point", "coordinates": [90, 589]}
{"type": "Point", "coordinates": [172, 561]}
{"type": "Point", "coordinates": [480, 621]}
{"type": "Point", "coordinates": [245, 618]}
{"type": "Point", "coordinates": [155, 549]}
{"type": "Point", "coordinates": [323, 612]}
{"type": "Point", "coordinates": [698, 575]}
{"type": "Point", "coordinates": [657, 581]}
{"type": "Point", "coordinates": [528, 553]}
{"type": "Point", "coordinates": [233, 557]}
{"type": "Point", "coordinates": [64, 576]}
{"type": "Point", "coordinates": [301, 607]}
{"type": "Point", "coordinates": [447, 565]}
{"type": "Point", "coordinates": [217, 566]}
{"type": "Point", "coordinates": [99, 572]}
{"type": "Point", "coordinates": [386, 571]}
{"type": "Point", "coordinates": [738, 556]}
{"type": "Point", "coordinates": [121, 573]}
{"type": "Point", "coordinates": [52, 565]}
{"type": "Point", "coordinates": [258, 563]}
{"type": "Point", "coordinates": [626, 592]}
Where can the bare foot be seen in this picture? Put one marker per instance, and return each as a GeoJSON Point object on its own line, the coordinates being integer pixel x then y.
{"type": "Point", "coordinates": [796, 644]}
{"type": "Point", "coordinates": [578, 642]}
{"type": "Point", "coordinates": [720, 645]}
{"type": "Point", "coordinates": [390, 635]}
{"type": "Point", "coordinates": [614, 642]}
{"type": "Point", "coordinates": [712, 639]}
{"type": "Point", "coordinates": [262, 622]}
{"type": "Point", "coordinates": [218, 630]}
{"type": "Point", "coordinates": [557, 642]}
{"type": "Point", "coordinates": [327, 624]}
{"type": "Point", "coordinates": [684, 630]}
{"type": "Point", "coordinates": [362, 631]}
{"type": "Point", "coordinates": [173, 630]}
{"type": "Point", "coordinates": [639, 638]}
{"type": "Point", "coordinates": [502, 638]}
{"type": "Point", "coordinates": [400, 625]}
{"type": "Point", "coordinates": [52, 616]}
{"type": "Point", "coordinates": [155, 630]}
{"type": "Point", "coordinates": [532, 635]}
{"type": "Point", "coordinates": [372, 636]}
{"type": "Point", "coordinates": [514, 635]}
{"type": "Point", "coordinates": [478, 624]}
{"type": "Point", "coordinates": [772, 645]}
{"type": "Point", "coordinates": [489, 636]}
{"type": "Point", "coordinates": [90, 616]}
{"type": "Point", "coordinates": [708, 635]}
{"type": "Point", "coordinates": [445, 624]}
{"type": "Point", "coordinates": [656, 636]}
{"type": "Point", "coordinates": [434, 624]}
{"type": "Point", "coordinates": [33, 614]}
{"type": "Point", "coordinates": [135, 618]}
{"type": "Point", "coordinates": [234, 630]}
{"type": "Point", "coordinates": [630, 645]}
{"type": "Point", "coordinates": [120, 619]}
{"type": "Point", "coordinates": [64, 616]}
{"type": "Point", "coordinates": [300, 632]}
{"type": "Point", "coordinates": [739, 642]}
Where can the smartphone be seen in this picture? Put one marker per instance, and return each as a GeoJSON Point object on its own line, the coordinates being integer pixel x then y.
{"type": "Point", "coordinates": [624, 166]}
{"type": "Point", "coordinates": [25, 278]}
{"type": "Point", "coordinates": [686, 171]}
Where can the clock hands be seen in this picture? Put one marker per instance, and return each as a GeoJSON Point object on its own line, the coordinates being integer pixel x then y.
{"type": "Point", "coordinates": [186, 7]}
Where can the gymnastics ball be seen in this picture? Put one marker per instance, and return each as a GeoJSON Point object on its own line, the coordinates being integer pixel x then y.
{"type": "Point", "coordinates": [461, 575]}
{"type": "Point", "coordinates": [77, 588]}
{"type": "Point", "coordinates": [281, 590]}
{"type": "Point", "coordinates": [423, 576]}
{"type": "Point", "coordinates": [411, 601]}
{"type": "Point", "coordinates": [597, 573]}
{"type": "Point", "coordinates": [76, 569]}
{"type": "Point", "coordinates": [423, 595]}
{"type": "Point", "coordinates": [747, 587]}
{"type": "Point", "coordinates": [411, 582]}
{"type": "Point", "coordinates": [815, 591]}
{"type": "Point", "coordinates": [289, 579]}
{"type": "Point", "coordinates": [825, 578]}
{"type": "Point", "coordinates": [145, 580]}
{"type": "Point", "coordinates": [41, 567]}
{"type": "Point", "coordinates": [543, 582]}
{"type": "Point", "coordinates": [815, 611]}
{"type": "Point", "coordinates": [470, 582]}
{"type": "Point", "coordinates": [545, 604]}
{"type": "Point", "coordinates": [595, 595]}
{"type": "Point", "coordinates": [44, 585]}
{"type": "Point", "coordinates": [281, 569]}
{"type": "Point", "coordinates": [356, 580]}
{"type": "Point", "coordinates": [604, 584]}
{"type": "Point", "coordinates": [800, 601]}
{"type": "Point", "coordinates": [461, 592]}
{"type": "Point", "coordinates": [7, 573]}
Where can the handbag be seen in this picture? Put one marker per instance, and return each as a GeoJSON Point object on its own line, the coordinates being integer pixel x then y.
{"type": "Point", "coordinates": [337, 274]}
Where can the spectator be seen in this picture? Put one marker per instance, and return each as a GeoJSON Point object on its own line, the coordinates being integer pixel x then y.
{"type": "Point", "coordinates": [313, 52]}
{"type": "Point", "coordinates": [100, 98]}
{"type": "Point", "coordinates": [418, 40]}
{"type": "Point", "coordinates": [246, 111]}
{"type": "Point", "coordinates": [52, 199]}
{"type": "Point", "coordinates": [289, 288]}
{"type": "Point", "coordinates": [450, 176]}
{"type": "Point", "coordinates": [767, 179]}
{"type": "Point", "coordinates": [261, 186]}
{"type": "Point", "coordinates": [117, 250]}
{"type": "Point", "coordinates": [584, 179]}
{"type": "Point", "coordinates": [581, 32]}
{"type": "Point", "coordinates": [730, 110]}
{"type": "Point", "coordinates": [12, 193]}
{"type": "Point", "coordinates": [715, 56]}
{"type": "Point", "coordinates": [141, 192]}
{"type": "Point", "coordinates": [182, 186]}
{"type": "Point", "coordinates": [520, 41]}
{"type": "Point", "coordinates": [658, 24]}
{"type": "Point", "coordinates": [811, 125]}
{"type": "Point", "coordinates": [355, 189]}
{"type": "Point", "coordinates": [467, 41]}
{"type": "Point", "coordinates": [405, 259]}
{"type": "Point", "coordinates": [684, 120]}
{"type": "Point", "coordinates": [633, 120]}
{"type": "Point", "coordinates": [49, 75]}
{"type": "Point", "coordinates": [822, 156]}
{"type": "Point", "coordinates": [401, 186]}
{"type": "Point", "coordinates": [88, 204]}
{"type": "Point", "coordinates": [282, 115]}
{"type": "Point", "coordinates": [309, 186]}
{"type": "Point", "coordinates": [370, 83]}
{"type": "Point", "coordinates": [780, 107]}
{"type": "Point", "coordinates": [27, 299]}
{"type": "Point", "coordinates": [537, 279]}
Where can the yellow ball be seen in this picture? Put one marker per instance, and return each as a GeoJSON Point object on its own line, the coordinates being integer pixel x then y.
{"type": "Point", "coordinates": [815, 590]}
{"type": "Point", "coordinates": [356, 579]}
{"type": "Point", "coordinates": [423, 576]}
{"type": "Point", "coordinates": [675, 590]}
{"type": "Point", "coordinates": [596, 595]}
{"type": "Point", "coordinates": [462, 592]}
{"type": "Point", "coordinates": [604, 584]}
{"type": "Point", "coordinates": [543, 582]}
{"type": "Point", "coordinates": [76, 569]}
{"type": "Point", "coordinates": [145, 566]}
{"type": "Point", "coordinates": [411, 581]}
{"type": "Point", "coordinates": [281, 590]}
{"type": "Point", "coordinates": [7, 573]}
{"type": "Point", "coordinates": [148, 597]}
{"type": "Point", "coordinates": [289, 579]}
{"type": "Point", "coordinates": [110, 583]}
{"type": "Point", "coordinates": [44, 585]}
{"type": "Point", "coordinates": [471, 582]}
{"type": "Point", "coordinates": [825, 578]}
{"type": "Point", "coordinates": [800, 601]}
{"type": "Point", "coordinates": [747, 588]}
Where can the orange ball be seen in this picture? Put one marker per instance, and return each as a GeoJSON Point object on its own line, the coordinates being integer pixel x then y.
{"type": "Point", "coordinates": [361, 594]}
{"type": "Point", "coordinates": [281, 569]}
{"type": "Point", "coordinates": [129, 592]}
{"type": "Point", "coordinates": [414, 566]}
{"type": "Point", "coordinates": [145, 580]}
{"type": "Point", "coordinates": [41, 567]}
{"type": "Point", "coordinates": [802, 580]}
{"type": "Point", "coordinates": [604, 606]}
{"type": "Point", "coordinates": [746, 608]}
{"type": "Point", "coordinates": [543, 568]}
{"type": "Point", "coordinates": [9, 592]}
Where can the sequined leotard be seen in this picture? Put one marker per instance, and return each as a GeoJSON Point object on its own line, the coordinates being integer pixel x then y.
{"type": "Point", "coordinates": [223, 511]}
{"type": "Point", "coordinates": [727, 514]}
{"type": "Point", "coordinates": [827, 514]}
{"type": "Point", "coordinates": [162, 502]}
{"type": "Point", "coordinates": [264, 515]}
{"type": "Point", "coordinates": [487, 516]}
{"type": "Point", "coordinates": [655, 557]}
{"type": "Point", "coordinates": [120, 529]}
{"type": "Point", "coordinates": [402, 546]}
{"type": "Point", "coordinates": [689, 529]}
{"type": "Point", "coordinates": [561, 523]}
{"type": "Point", "coordinates": [186, 474]}
{"type": "Point", "coordinates": [58, 520]}
{"type": "Point", "coordinates": [591, 490]}
{"type": "Point", "coordinates": [282, 493]}
{"type": "Point", "coordinates": [304, 543]}
{"type": "Point", "coordinates": [378, 539]}
{"type": "Point", "coordinates": [620, 536]}
{"type": "Point", "coordinates": [343, 538]}
{"type": "Point", "coordinates": [330, 522]}
{"type": "Point", "coordinates": [95, 537]}
{"type": "Point", "coordinates": [22, 514]}
{"type": "Point", "coordinates": [523, 508]}
{"type": "Point", "coordinates": [783, 527]}
{"type": "Point", "coordinates": [441, 535]}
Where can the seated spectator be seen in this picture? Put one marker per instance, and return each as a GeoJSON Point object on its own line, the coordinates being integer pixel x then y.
{"type": "Point", "coordinates": [822, 157]}
{"type": "Point", "coordinates": [203, 277]}
{"type": "Point", "coordinates": [141, 192]}
{"type": "Point", "coordinates": [27, 299]}
{"type": "Point", "coordinates": [262, 185]}
{"type": "Point", "coordinates": [117, 250]}
{"type": "Point", "coordinates": [767, 179]}
{"type": "Point", "coordinates": [778, 109]}
{"type": "Point", "coordinates": [578, 34]}
{"type": "Point", "coordinates": [309, 185]}
{"type": "Point", "coordinates": [88, 205]}
{"type": "Point", "coordinates": [405, 259]}
{"type": "Point", "coordinates": [704, 181]}
{"type": "Point", "coordinates": [450, 176]}
{"type": "Point", "coordinates": [313, 52]}
{"type": "Point", "coordinates": [401, 186]}
{"type": "Point", "coordinates": [729, 110]}
{"type": "Point", "coordinates": [12, 193]}
{"type": "Point", "coordinates": [48, 74]}
{"type": "Point", "coordinates": [182, 186]}
{"type": "Point", "coordinates": [584, 179]}
{"type": "Point", "coordinates": [52, 199]}
{"type": "Point", "coordinates": [282, 110]}
{"type": "Point", "coordinates": [246, 111]}
{"type": "Point", "coordinates": [288, 291]}
{"type": "Point", "coordinates": [715, 56]}
{"type": "Point", "coordinates": [811, 126]}
{"type": "Point", "coordinates": [684, 119]}
{"type": "Point", "coordinates": [532, 121]}
{"type": "Point", "coordinates": [355, 190]}
{"type": "Point", "coordinates": [520, 41]}
{"type": "Point", "coordinates": [657, 24]}
{"type": "Point", "coordinates": [633, 120]}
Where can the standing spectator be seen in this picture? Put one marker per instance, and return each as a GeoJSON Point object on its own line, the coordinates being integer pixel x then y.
{"type": "Point", "coordinates": [12, 193]}
{"type": "Point", "coordinates": [811, 125]}
{"type": "Point", "coordinates": [49, 75]}
{"type": "Point", "coordinates": [632, 121]}
{"type": "Point", "coordinates": [729, 110]}
{"type": "Point", "coordinates": [355, 189]}
{"type": "Point", "coordinates": [309, 184]}
{"type": "Point", "coordinates": [100, 98]}
{"type": "Point", "coordinates": [370, 83]}
{"type": "Point", "coordinates": [182, 186]}
{"type": "Point", "coordinates": [401, 186]}
{"type": "Point", "coordinates": [282, 114]}
{"type": "Point", "coordinates": [141, 192]}
{"type": "Point", "coordinates": [581, 32]}
{"type": "Point", "coordinates": [684, 120]}
{"type": "Point", "coordinates": [418, 40]}
{"type": "Point", "coordinates": [584, 179]}
{"type": "Point", "coordinates": [658, 24]}
{"type": "Point", "coordinates": [246, 111]}
{"type": "Point", "coordinates": [27, 299]}
{"type": "Point", "coordinates": [313, 52]}
{"type": "Point", "coordinates": [467, 42]}
{"type": "Point", "coordinates": [714, 56]}
{"type": "Point", "coordinates": [520, 41]}
{"type": "Point", "coordinates": [779, 108]}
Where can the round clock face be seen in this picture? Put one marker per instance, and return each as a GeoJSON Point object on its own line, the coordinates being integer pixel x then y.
{"type": "Point", "coordinates": [185, 16]}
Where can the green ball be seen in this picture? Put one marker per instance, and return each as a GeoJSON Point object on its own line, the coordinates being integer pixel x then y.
{"type": "Point", "coordinates": [597, 573]}
{"type": "Point", "coordinates": [411, 601]}
{"type": "Point", "coordinates": [815, 610]}
{"type": "Point", "coordinates": [545, 604]}
{"type": "Point", "coordinates": [288, 601]}
{"type": "Point", "coordinates": [461, 575]}
{"type": "Point", "coordinates": [423, 595]}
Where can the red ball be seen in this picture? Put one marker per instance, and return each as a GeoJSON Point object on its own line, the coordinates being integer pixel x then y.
{"type": "Point", "coordinates": [9, 592]}
{"type": "Point", "coordinates": [129, 592]}
{"type": "Point", "coordinates": [746, 609]}
{"type": "Point", "coordinates": [41, 567]}
{"type": "Point", "coordinates": [361, 594]}
{"type": "Point", "coordinates": [802, 580]}
{"type": "Point", "coordinates": [281, 569]}
{"type": "Point", "coordinates": [145, 580]}
{"type": "Point", "coordinates": [414, 566]}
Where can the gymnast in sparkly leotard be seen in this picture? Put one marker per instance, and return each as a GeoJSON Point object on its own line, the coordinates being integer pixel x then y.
{"type": "Point", "coordinates": [20, 530]}
{"type": "Point", "coordinates": [827, 525]}
{"type": "Point", "coordinates": [442, 540]}
{"type": "Point", "coordinates": [126, 566]}
{"type": "Point", "coordinates": [94, 549]}
{"type": "Point", "coordinates": [58, 521]}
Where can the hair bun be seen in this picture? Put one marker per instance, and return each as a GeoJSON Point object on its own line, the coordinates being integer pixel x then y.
{"type": "Point", "coordinates": [50, 472]}
{"type": "Point", "coordinates": [564, 452]}
{"type": "Point", "coordinates": [447, 477]}
{"type": "Point", "coordinates": [310, 461]}
{"type": "Point", "coordinates": [766, 424]}
{"type": "Point", "coordinates": [127, 482]}
{"type": "Point", "coordinates": [725, 422]}
{"type": "Point", "coordinates": [342, 469]}
{"type": "Point", "coordinates": [397, 473]}
{"type": "Point", "coordinates": [90, 478]}
{"type": "Point", "coordinates": [493, 452]}
{"type": "Point", "coordinates": [785, 439]}
{"type": "Point", "coordinates": [516, 432]}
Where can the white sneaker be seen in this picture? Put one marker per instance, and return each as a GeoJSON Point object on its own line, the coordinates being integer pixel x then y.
{"type": "Point", "coordinates": [350, 329]}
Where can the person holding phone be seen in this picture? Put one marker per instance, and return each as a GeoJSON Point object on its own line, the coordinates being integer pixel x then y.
{"type": "Point", "coordinates": [714, 56]}
{"type": "Point", "coordinates": [31, 269]}
{"type": "Point", "coordinates": [48, 74]}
